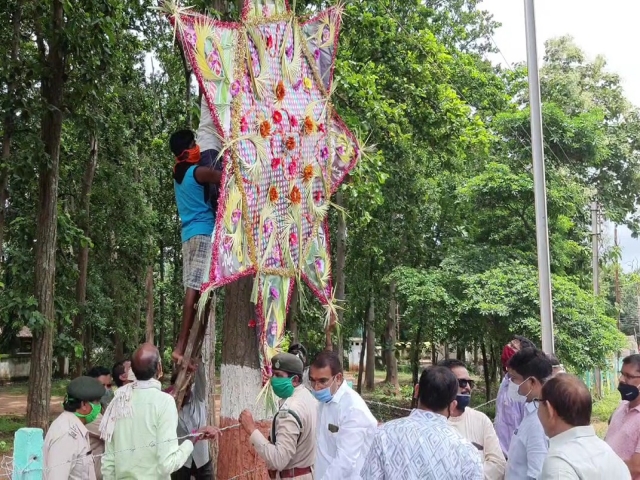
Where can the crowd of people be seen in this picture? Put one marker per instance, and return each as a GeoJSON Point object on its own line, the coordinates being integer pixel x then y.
{"type": "Point", "coordinates": [324, 430]}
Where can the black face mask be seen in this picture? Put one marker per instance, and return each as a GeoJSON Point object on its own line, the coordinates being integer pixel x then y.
{"type": "Point", "coordinates": [628, 392]}
{"type": "Point", "coordinates": [463, 402]}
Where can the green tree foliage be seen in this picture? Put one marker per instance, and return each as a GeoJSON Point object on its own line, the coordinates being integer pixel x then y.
{"type": "Point", "coordinates": [442, 208]}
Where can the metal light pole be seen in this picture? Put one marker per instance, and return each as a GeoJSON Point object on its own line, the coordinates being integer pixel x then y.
{"type": "Point", "coordinates": [542, 229]}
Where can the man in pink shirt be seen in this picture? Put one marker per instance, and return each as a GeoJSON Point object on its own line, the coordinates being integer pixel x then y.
{"type": "Point", "coordinates": [623, 435]}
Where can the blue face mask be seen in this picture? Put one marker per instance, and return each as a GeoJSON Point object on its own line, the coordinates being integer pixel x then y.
{"type": "Point", "coordinates": [324, 395]}
{"type": "Point", "coordinates": [463, 402]}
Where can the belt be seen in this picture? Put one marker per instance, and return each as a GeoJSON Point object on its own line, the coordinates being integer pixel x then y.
{"type": "Point", "coordinates": [290, 472]}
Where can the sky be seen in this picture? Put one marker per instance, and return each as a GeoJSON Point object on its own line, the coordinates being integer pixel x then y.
{"type": "Point", "coordinates": [600, 28]}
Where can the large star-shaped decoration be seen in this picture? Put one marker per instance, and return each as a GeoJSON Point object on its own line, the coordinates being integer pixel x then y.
{"type": "Point", "coordinates": [268, 82]}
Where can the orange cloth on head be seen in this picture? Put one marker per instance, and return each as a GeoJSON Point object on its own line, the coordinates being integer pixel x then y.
{"type": "Point", "coordinates": [190, 155]}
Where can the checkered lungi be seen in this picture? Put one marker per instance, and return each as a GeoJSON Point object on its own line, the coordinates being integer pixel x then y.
{"type": "Point", "coordinates": [196, 260]}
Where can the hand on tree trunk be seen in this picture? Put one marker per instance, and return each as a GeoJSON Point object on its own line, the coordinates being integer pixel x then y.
{"type": "Point", "coordinates": [246, 421]}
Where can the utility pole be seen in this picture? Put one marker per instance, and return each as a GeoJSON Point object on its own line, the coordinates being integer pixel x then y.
{"type": "Point", "coordinates": [539, 186]}
{"type": "Point", "coordinates": [617, 284]}
{"type": "Point", "coordinates": [595, 265]}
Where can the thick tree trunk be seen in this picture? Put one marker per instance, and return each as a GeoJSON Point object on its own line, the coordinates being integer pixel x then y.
{"type": "Point", "coordinates": [460, 355]}
{"type": "Point", "coordinates": [434, 353]}
{"type": "Point", "coordinates": [446, 350]}
{"type": "Point", "coordinates": [371, 345]}
{"type": "Point", "coordinates": [209, 363]}
{"type": "Point", "coordinates": [390, 340]}
{"type": "Point", "coordinates": [9, 120]}
{"type": "Point", "coordinates": [118, 346]}
{"type": "Point", "coordinates": [149, 317]}
{"type": "Point", "coordinates": [83, 250]}
{"type": "Point", "coordinates": [341, 257]}
{"type": "Point", "coordinates": [241, 382]}
{"type": "Point", "coordinates": [47, 226]}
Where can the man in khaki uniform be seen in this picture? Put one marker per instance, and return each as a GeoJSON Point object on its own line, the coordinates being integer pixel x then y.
{"type": "Point", "coordinates": [291, 450]}
{"type": "Point", "coordinates": [67, 454]}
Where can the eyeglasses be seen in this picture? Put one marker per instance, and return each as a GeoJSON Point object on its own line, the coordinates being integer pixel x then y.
{"type": "Point", "coordinates": [537, 402]}
{"type": "Point", "coordinates": [463, 382]}
{"type": "Point", "coordinates": [322, 383]}
{"type": "Point", "coordinates": [628, 376]}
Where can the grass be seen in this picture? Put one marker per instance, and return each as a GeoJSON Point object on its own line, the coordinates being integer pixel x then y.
{"type": "Point", "coordinates": [58, 388]}
{"type": "Point", "coordinates": [602, 411]}
{"type": "Point", "coordinates": [8, 427]}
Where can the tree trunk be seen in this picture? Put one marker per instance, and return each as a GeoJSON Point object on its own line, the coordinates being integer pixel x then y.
{"type": "Point", "coordinates": [149, 288]}
{"type": "Point", "coordinates": [209, 364]}
{"type": "Point", "coordinates": [446, 350]}
{"type": "Point", "coordinates": [9, 120]}
{"type": "Point", "coordinates": [341, 257]}
{"type": "Point", "coordinates": [390, 340]}
{"type": "Point", "coordinates": [292, 314]}
{"type": "Point", "coordinates": [119, 347]}
{"type": "Point", "coordinates": [363, 350]}
{"type": "Point", "coordinates": [371, 345]}
{"type": "Point", "coordinates": [162, 301]}
{"type": "Point", "coordinates": [415, 361]}
{"type": "Point", "coordinates": [241, 382]}
{"type": "Point", "coordinates": [485, 367]}
{"type": "Point", "coordinates": [460, 355]}
{"type": "Point", "coordinates": [434, 353]}
{"type": "Point", "coordinates": [47, 226]}
{"type": "Point", "coordinates": [83, 250]}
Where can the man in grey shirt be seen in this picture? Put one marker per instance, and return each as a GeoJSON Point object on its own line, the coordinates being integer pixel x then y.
{"type": "Point", "coordinates": [193, 416]}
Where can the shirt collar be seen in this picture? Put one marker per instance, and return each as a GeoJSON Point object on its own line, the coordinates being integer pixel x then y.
{"type": "Point", "coordinates": [427, 415]}
{"type": "Point", "coordinates": [340, 393]}
{"type": "Point", "coordinates": [571, 434]}
{"type": "Point", "coordinates": [529, 408]}
{"type": "Point", "coordinates": [628, 408]}
{"type": "Point", "coordinates": [75, 421]}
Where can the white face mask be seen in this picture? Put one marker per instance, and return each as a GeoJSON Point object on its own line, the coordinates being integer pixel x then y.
{"type": "Point", "coordinates": [514, 391]}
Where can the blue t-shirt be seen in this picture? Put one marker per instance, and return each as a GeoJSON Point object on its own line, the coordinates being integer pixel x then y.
{"type": "Point", "coordinates": [196, 214]}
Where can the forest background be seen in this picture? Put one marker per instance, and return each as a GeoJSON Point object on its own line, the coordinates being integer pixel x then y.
{"type": "Point", "coordinates": [438, 241]}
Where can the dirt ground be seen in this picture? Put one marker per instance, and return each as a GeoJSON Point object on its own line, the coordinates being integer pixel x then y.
{"type": "Point", "coordinates": [15, 404]}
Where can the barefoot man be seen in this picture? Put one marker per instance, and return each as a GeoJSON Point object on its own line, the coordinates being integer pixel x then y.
{"type": "Point", "coordinates": [198, 220]}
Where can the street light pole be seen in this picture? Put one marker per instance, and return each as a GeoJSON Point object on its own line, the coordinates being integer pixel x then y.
{"type": "Point", "coordinates": [540, 194]}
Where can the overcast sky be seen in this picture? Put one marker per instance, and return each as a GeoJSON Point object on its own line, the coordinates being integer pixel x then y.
{"type": "Point", "coordinates": [608, 28]}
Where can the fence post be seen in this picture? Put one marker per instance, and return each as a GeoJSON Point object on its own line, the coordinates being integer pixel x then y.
{"type": "Point", "coordinates": [28, 459]}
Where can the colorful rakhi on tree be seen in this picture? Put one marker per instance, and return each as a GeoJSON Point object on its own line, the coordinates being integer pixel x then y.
{"type": "Point", "coordinates": [268, 83]}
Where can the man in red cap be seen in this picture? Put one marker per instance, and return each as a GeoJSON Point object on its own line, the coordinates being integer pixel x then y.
{"type": "Point", "coordinates": [509, 413]}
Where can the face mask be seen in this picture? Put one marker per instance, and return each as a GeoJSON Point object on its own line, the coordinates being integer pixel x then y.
{"type": "Point", "coordinates": [324, 395]}
{"type": "Point", "coordinates": [463, 401]}
{"type": "Point", "coordinates": [93, 414]}
{"type": "Point", "coordinates": [514, 392]}
{"type": "Point", "coordinates": [628, 392]}
{"type": "Point", "coordinates": [282, 386]}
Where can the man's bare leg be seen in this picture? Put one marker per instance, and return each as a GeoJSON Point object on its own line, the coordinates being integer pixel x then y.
{"type": "Point", "coordinates": [189, 310]}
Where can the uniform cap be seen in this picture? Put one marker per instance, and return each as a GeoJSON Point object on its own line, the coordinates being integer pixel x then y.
{"type": "Point", "coordinates": [85, 389]}
{"type": "Point", "coordinates": [287, 362]}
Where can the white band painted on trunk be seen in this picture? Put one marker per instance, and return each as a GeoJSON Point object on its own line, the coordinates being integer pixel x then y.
{"type": "Point", "coordinates": [240, 389]}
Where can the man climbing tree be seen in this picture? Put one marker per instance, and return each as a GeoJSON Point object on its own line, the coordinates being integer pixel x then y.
{"type": "Point", "coordinates": [198, 220]}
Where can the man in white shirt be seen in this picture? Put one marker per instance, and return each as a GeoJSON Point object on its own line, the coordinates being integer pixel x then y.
{"type": "Point", "coordinates": [345, 426]}
{"type": "Point", "coordinates": [473, 425]}
{"type": "Point", "coordinates": [528, 370]}
{"type": "Point", "coordinates": [422, 446]}
{"type": "Point", "coordinates": [575, 452]}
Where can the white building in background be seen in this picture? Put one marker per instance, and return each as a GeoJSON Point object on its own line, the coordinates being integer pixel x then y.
{"type": "Point", "coordinates": [355, 348]}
